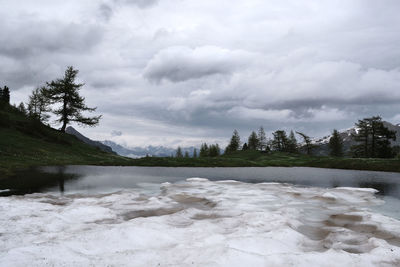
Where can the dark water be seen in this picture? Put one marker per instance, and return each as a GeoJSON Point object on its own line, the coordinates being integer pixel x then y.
{"type": "Point", "coordinates": [95, 179]}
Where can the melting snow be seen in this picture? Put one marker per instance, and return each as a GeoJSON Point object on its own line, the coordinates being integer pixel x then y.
{"type": "Point", "coordinates": [200, 223]}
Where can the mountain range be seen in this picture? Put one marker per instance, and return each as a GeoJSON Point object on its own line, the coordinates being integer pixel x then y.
{"type": "Point", "coordinates": [137, 152]}
{"type": "Point", "coordinates": [321, 144]}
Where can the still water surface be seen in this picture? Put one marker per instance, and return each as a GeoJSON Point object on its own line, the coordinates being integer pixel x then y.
{"type": "Point", "coordinates": [88, 180]}
{"type": "Point", "coordinates": [98, 179]}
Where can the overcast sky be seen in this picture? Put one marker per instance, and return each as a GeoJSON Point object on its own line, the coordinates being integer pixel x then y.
{"type": "Point", "coordinates": [180, 72]}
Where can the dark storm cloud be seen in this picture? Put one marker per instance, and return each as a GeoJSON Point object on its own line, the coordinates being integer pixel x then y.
{"type": "Point", "coordinates": [164, 72]}
{"type": "Point", "coordinates": [178, 64]}
{"type": "Point", "coordinates": [31, 48]}
{"type": "Point", "coordinates": [41, 37]}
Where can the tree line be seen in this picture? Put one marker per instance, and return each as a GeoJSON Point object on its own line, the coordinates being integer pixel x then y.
{"type": "Point", "coordinates": [372, 140]}
{"type": "Point", "coordinates": [60, 98]}
{"type": "Point", "coordinates": [206, 150]}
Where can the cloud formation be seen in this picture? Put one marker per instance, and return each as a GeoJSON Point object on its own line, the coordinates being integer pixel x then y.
{"type": "Point", "coordinates": [178, 64]}
{"type": "Point", "coordinates": [182, 72]}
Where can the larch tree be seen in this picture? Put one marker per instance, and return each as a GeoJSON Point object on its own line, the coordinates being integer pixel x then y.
{"type": "Point", "coordinates": [65, 91]}
{"type": "Point", "coordinates": [21, 108]}
{"type": "Point", "coordinates": [214, 151]}
{"type": "Point", "coordinates": [179, 152]}
{"type": "Point", "coordinates": [292, 143]}
{"type": "Point", "coordinates": [253, 142]}
{"type": "Point", "coordinates": [5, 95]}
{"type": "Point", "coordinates": [38, 105]}
{"type": "Point", "coordinates": [234, 143]}
{"type": "Point", "coordinates": [373, 139]}
{"type": "Point", "coordinates": [245, 146]}
{"type": "Point", "coordinates": [279, 141]}
{"type": "Point", "coordinates": [336, 144]}
{"type": "Point", "coordinates": [204, 151]}
{"type": "Point", "coordinates": [307, 142]}
{"type": "Point", "coordinates": [262, 139]}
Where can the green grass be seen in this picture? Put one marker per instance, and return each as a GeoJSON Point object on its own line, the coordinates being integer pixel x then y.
{"type": "Point", "coordinates": [25, 143]}
{"type": "Point", "coordinates": [260, 159]}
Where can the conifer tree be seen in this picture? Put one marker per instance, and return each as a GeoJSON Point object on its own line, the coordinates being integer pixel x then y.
{"type": "Point", "coordinates": [65, 91]}
{"type": "Point", "coordinates": [245, 147]}
{"type": "Point", "coordinates": [307, 142]}
{"type": "Point", "coordinates": [21, 108]}
{"type": "Point", "coordinates": [253, 142]}
{"type": "Point", "coordinates": [262, 139]}
{"type": "Point", "coordinates": [204, 152]}
{"type": "Point", "coordinates": [179, 152]}
{"type": "Point", "coordinates": [195, 153]}
{"type": "Point", "coordinates": [5, 95]}
{"type": "Point", "coordinates": [214, 150]}
{"type": "Point", "coordinates": [38, 105]}
{"type": "Point", "coordinates": [186, 154]}
{"type": "Point", "coordinates": [292, 143]}
{"type": "Point", "coordinates": [234, 143]}
{"type": "Point", "coordinates": [280, 141]}
{"type": "Point", "coordinates": [336, 144]}
{"type": "Point", "coordinates": [373, 138]}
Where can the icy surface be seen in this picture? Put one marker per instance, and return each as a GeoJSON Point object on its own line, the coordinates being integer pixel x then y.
{"type": "Point", "coordinates": [200, 223]}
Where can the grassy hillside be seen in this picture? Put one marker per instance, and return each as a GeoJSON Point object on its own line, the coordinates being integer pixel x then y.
{"type": "Point", "coordinates": [25, 142]}
{"type": "Point", "coordinates": [259, 159]}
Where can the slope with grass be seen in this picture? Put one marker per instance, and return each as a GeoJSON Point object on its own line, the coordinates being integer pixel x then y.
{"type": "Point", "coordinates": [25, 142]}
{"type": "Point", "coordinates": [259, 159]}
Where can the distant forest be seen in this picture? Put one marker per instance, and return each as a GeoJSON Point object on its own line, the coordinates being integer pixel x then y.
{"type": "Point", "coordinates": [372, 138]}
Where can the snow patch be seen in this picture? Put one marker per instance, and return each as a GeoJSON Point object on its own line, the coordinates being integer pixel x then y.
{"type": "Point", "coordinates": [200, 223]}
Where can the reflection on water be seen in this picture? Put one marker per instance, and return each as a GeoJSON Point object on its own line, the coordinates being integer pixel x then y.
{"type": "Point", "coordinates": [37, 180]}
{"type": "Point", "coordinates": [95, 179]}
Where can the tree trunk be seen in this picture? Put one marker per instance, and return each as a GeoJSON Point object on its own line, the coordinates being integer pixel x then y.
{"type": "Point", "coordinates": [64, 126]}
{"type": "Point", "coordinates": [64, 116]}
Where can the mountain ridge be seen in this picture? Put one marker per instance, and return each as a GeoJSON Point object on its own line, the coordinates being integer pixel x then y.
{"type": "Point", "coordinates": [137, 152]}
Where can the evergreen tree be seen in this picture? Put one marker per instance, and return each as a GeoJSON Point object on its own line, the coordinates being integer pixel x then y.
{"type": "Point", "coordinates": [66, 92]}
{"type": "Point", "coordinates": [186, 154]}
{"type": "Point", "coordinates": [234, 143]}
{"type": "Point", "coordinates": [5, 95]}
{"type": "Point", "coordinates": [373, 138]}
{"type": "Point", "coordinates": [292, 143]}
{"type": "Point", "coordinates": [179, 152]}
{"type": "Point", "coordinates": [38, 105]}
{"type": "Point", "coordinates": [279, 141]}
{"type": "Point", "coordinates": [21, 108]}
{"type": "Point", "coordinates": [195, 153]}
{"type": "Point", "coordinates": [307, 142]}
{"type": "Point", "coordinates": [262, 139]}
{"type": "Point", "coordinates": [218, 150]}
{"type": "Point", "coordinates": [245, 147]}
{"type": "Point", "coordinates": [214, 151]}
{"type": "Point", "coordinates": [253, 142]}
{"type": "Point", "coordinates": [204, 152]}
{"type": "Point", "coordinates": [336, 144]}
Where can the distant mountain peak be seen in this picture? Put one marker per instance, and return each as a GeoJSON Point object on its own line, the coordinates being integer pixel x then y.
{"type": "Point", "coordinates": [71, 130]}
{"type": "Point", "coordinates": [137, 152]}
{"type": "Point", "coordinates": [348, 140]}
